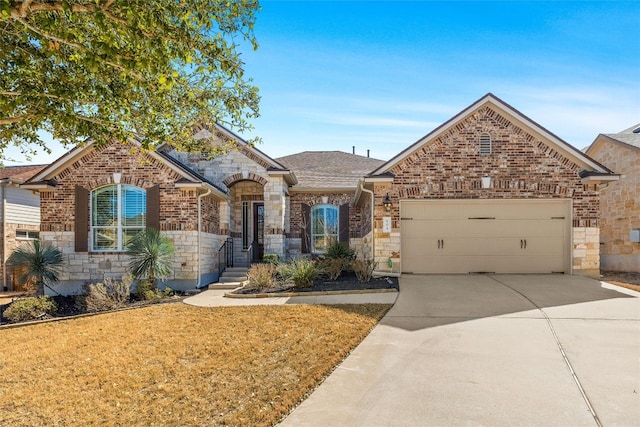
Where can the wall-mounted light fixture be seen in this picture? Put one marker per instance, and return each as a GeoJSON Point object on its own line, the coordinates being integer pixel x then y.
{"type": "Point", "coordinates": [387, 203]}
{"type": "Point", "coordinates": [486, 182]}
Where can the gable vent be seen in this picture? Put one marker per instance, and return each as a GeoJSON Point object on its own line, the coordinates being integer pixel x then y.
{"type": "Point", "coordinates": [485, 144]}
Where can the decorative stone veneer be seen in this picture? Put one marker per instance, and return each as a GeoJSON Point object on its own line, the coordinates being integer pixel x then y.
{"type": "Point", "coordinates": [586, 251]}
{"type": "Point", "coordinates": [245, 175]}
{"type": "Point", "coordinates": [521, 166]}
{"type": "Point", "coordinates": [275, 192]}
{"type": "Point", "coordinates": [619, 206]}
{"type": "Point", "coordinates": [82, 268]}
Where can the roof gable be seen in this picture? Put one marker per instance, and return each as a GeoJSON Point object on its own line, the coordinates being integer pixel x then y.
{"type": "Point", "coordinates": [629, 137]}
{"type": "Point", "coordinates": [504, 113]}
{"type": "Point", "coordinates": [74, 159]}
{"type": "Point", "coordinates": [219, 132]}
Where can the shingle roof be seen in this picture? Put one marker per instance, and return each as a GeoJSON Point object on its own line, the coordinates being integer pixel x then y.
{"type": "Point", "coordinates": [20, 173]}
{"type": "Point", "coordinates": [628, 136]}
{"type": "Point", "coordinates": [329, 169]}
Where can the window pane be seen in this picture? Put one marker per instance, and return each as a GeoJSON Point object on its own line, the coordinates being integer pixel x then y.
{"type": "Point", "coordinates": [317, 220]}
{"type": "Point", "coordinates": [105, 238]}
{"type": "Point", "coordinates": [331, 221]}
{"type": "Point", "coordinates": [127, 235]}
{"type": "Point", "coordinates": [134, 206]}
{"type": "Point", "coordinates": [324, 227]}
{"type": "Point", "coordinates": [104, 206]}
{"type": "Point", "coordinates": [319, 244]}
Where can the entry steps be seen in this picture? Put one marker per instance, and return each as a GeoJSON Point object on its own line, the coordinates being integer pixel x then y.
{"type": "Point", "coordinates": [231, 278]}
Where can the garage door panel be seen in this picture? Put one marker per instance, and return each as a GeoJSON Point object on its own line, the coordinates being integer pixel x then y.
{"type": "Point", "coordinates": [505, 236]}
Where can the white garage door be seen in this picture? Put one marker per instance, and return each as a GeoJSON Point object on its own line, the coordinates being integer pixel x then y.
{"type": "Point", "coordinates": [482, 236]}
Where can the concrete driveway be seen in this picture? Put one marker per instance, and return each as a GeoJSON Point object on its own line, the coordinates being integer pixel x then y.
{"type": "Point", "coordinates": [499, 350]}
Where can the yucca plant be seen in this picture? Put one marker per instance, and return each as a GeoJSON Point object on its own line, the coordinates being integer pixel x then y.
{"type": "Point", "coordinates": [151, 256]}
{"type": "Point", "coordinates": [37, 263]}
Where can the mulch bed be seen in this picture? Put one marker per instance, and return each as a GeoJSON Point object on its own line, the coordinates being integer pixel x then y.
{"type": "Point", "coordinates": [67, 306]}
{"type": "Point", "coordinates": [626, 280]}
{"type": "Point", "coordinates": [346, 282]}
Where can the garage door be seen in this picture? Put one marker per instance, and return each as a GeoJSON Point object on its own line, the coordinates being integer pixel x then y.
{"type": "Point", "coordinates": [485, 236]}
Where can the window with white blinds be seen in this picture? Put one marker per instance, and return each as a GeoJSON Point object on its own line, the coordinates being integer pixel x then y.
{"type": "Point", "coordinates": [118, 212]}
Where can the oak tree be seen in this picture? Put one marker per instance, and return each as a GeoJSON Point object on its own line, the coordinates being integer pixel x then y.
{"type": "Point", "coordinates": [156, 70]}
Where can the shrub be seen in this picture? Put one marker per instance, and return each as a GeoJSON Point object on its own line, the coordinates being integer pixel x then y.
{"type": "Point", "coordinates": [363, 269]}
{"type": "Point", "coordinates": [30, 308]}
{"type": "Point", "coordinates": [109, 294]}
{"type": "Point", "coordinates": [262, 276]}
{"type": "Point", "coordinates": [333, 267]}
{"type": "Point", "coordinates": [339, 250]}
{"type": "Point", "coordinates": [145, 291]}
{"type": "Point", "coordinates": [271, 258]}
{"type": "Point", "coordinates": [302, 272]}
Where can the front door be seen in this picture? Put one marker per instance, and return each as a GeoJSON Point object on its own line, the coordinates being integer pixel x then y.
{"type": "Point", "coordinates": [258, 231]}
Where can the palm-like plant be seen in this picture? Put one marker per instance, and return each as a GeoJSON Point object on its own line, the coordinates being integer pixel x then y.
{"type": "Point", "coordinates": [38, 263]}
{"type": "Point", "coordinates": [151, 256]}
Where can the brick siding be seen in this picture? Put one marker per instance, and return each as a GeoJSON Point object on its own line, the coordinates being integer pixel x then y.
{"type": "Point", "coordinates": [520, 166]}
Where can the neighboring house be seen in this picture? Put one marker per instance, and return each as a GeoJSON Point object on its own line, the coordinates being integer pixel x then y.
{"type": "Point", "coordinates": [620, 201]}
{"type": "Point", "coordinates": [19, 215]}
{"type": "Point", "coordinates": [488, 191]}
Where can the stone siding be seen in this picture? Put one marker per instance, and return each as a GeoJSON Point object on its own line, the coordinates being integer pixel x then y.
{"type": "Point", "coordinates": [521, 166]}
{"type": "Point", "coordinates": [619, 207]}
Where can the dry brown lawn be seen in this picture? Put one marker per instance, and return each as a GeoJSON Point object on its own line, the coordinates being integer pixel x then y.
{"type": "Point", "coordinates": [175, 365]}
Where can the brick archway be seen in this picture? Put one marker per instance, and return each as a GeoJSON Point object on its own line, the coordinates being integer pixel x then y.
{"type": "Point", "coordinates": [237, 177]}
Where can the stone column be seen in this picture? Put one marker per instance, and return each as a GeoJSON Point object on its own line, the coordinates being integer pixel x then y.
{"type": "Point", "coordinates": [274, 215]}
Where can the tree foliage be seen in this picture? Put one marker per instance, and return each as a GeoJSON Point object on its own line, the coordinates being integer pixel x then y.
{"type": "Point", "coordinates": [156, 70]}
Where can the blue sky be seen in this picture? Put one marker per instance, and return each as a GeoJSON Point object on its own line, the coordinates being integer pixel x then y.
{"type": "Point", "coordinates": [380, 75]}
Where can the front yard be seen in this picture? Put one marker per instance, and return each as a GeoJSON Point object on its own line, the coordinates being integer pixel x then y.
{"type": "Point", "coordinates": [175, 364]}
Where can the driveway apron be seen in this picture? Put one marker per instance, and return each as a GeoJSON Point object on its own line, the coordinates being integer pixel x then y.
{"type": "Point", "coordinates": [490, 350]}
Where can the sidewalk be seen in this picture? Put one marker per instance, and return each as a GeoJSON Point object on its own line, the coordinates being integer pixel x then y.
{"type": "Point", "coordinates": [215, 298]}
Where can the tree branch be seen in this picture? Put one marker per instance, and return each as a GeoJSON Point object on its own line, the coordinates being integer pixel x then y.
{"type": "Point", "coordinates": [19, 13]}
{"type": "Point", "coordinates": [12, 120]}
{"type": "Point", "coordinates": [77, 46]}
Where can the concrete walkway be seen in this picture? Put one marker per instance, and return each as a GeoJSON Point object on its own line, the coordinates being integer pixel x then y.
{"type": "Point", "coordinates": [215, 298]}
{"type": "Point", "coordinates": [502, 350]}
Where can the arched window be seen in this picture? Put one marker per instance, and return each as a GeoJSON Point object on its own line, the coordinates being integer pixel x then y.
{"type": "Point", "coordinates": [324, 227]}
{"type": "Point", "coordinates": [118, 212]}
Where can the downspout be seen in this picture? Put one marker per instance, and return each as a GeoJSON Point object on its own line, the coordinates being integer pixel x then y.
{"type": "Point", "coordinates": [200, 197]}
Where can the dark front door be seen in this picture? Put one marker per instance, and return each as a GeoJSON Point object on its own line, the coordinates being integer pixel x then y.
{"type": "Point", "coordinates": [258, 231]}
